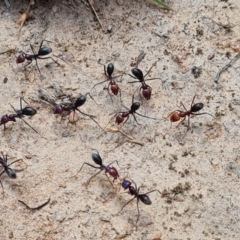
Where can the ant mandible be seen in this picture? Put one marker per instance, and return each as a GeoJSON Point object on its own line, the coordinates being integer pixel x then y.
{"type": "Point", "coordinates": [178, 114]}
{"type": "Point", "coordinates": [143, 197]}
{"type": "Point", "coordinates": [112, 84]}
{"type": "Point", "coordinates": [112, 171]}
{"type": "Point", "coordinates": [42, 51]}
{"type": "Point", "coordinates": [146, 89]}
{"type": "Point", "coordinates": [120, 116]}
{"type": "Point", "coordinates": [60, 108]}
{"type": "Point", "coordinates": [27, 111]}
{"type": "Point", "coordinates": [10, 172]}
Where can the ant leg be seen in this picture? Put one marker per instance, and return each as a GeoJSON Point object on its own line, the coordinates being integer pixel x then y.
{"type": "Point", "coordinates": [105, 71]}
{"type": "Point", "coordinates": [82, 167]}
{"type": "Point", "coordinates": [138, 210]}
{"type": "Point", "coordinates": [112, 163]}
{"type": "Point", "coordinates": [22, 99]}
{"type": "Point", "coordinates": [134, 78]}
{"type": "Point", "coordinates": [93, 176]}
{"type": "Point", "coordinates": [91, 118]}
{"type": "Point", "coordinates": [145, 116]}
{"type": "Point", "coordinates": [2, 187]}
{"type": "Point", "coordinates": [154, 64]}
{"type": "Point", "coordinates": [181, 121]}
{"type": "Point", "coordinates": [203, 113]}
{"type": "Point", "coordinates": [48, 58]}
{"type": "Point", "coordinates": [109, 179]}
{"type": "Point", "coordinates": [31, 127]}
{"type": "Point", "coordinates": [29, 62]}
{"type": "Point", "coordinates": [35, 57]}
{"type": "Point", "coordinates": [42, 43]}
{"type": "Point", "coordinates": [151, 79]}
{"type": "Point", "coordinates": [98, 84]}
{"type": "Point", "coordinates": [193, 100]}
{"type": "Point", "coordinates": [14, 162]}
{"type": "Point", "coordinates": [127, 203]}
{"type": "Point", "coordinates": [136, 119]}
{"type": "Point", "coordinates": [183, 106]}
{"type": "Point", "coordinates": [152, 191]}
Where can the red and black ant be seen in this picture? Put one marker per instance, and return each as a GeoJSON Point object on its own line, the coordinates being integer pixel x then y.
{"type": "Point", "coordinates": [112, 84]}
{"type": "Point", "coordinates": [178, 114]}
{"type": "Point", "coordinates": [42, 51]}
{"type": "Point", "coordinates": [9, 171]}
{"type": "Point", "coordinates": [73, 106]}
{"type": "Point", "coordinates": [146, 89]}
{"type": "Point", "coordinates": [112, 171]}
{"type": "Point", "coordinates": [120, 116]}
{"type": "Point", "coordinates": [143, 197]}
{"type": "Point", "coordinates": [27, 111]}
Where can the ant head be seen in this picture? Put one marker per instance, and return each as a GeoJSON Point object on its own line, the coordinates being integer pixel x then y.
{"type": "Point", "coordinates": [114, 89]}
{"type": "Point", "coordinates": [175, 117]}
{"type": "Point", "coordinates": [135, 106]}
{"type": "Point", "coordinates": [80, 101]}
{"type": "Point", "coordinates": [126, 184]}
{"type": "Point", "coordinates": [28, 111]}
{"type": "Point", "coordinates": [58, 109]}
{"type": "Point", "coordinates": [11, 173]}
{"type": "Point", "coordinates": [110, 69]}
{"type": "Point", "coordinates": [146, 91]}
{"type": "Point", "coordinates": [44, 51]}
{"type": "Point", "coordinates": [197, 107]}
{"type": "Point", "coordinates": [145, 199]}
{"type": "Point", "coordinates": [21, 58]}
{"type": "Point", "coordinates": [138, 74]}
{"type": "Point", "coordinates": [97, 159]}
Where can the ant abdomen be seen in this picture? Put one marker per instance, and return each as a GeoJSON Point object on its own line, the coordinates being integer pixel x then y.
{"type": "Point", "coordinates": [97, 159]}
{"type": "Point", "coordinates": [11, 173]}
{"type": "Point", "coordinates": [138, 74]}
{"type": "Point", "coordinates": [110, 69]}
{"type": "Point", "coordinates": [197, 107]}
{"type": "Point", "coordinates": [44, 51]}
{"type": "Point", "coordinates": [145, 199]}
{"type": "Point", "coordinates": [80, 101]}
{"type": "Point", "coordinates": [135, 106]}
{"type": "Point", "coordinates": [28, 111]}
{"type": "Point", "coordinates": [175, 117]}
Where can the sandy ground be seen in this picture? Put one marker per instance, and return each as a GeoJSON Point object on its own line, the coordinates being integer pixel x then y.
{"type": "Point", "coordinates": [197, 175]}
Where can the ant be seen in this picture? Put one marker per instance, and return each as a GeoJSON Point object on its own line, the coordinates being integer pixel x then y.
{"type": "Point", "coordinates": [10, 172]}
{"type": "Point", "coordinates": [27, 111]}
{"type": "Point", "coordinates": [178, 114]}
{"type": "Point", "coordinates": [112, 171]}
{"type": "Point", "coordinates": [138, 74]}
{"type": "Point", "coordinates": [143, 197]}
{"type": "Point", "coordinates": [42, 51]}
{"type": "Point", "coordinates": [112, 84]}
{"type": "Point", "coordinates": [120, 116]}
{"type": "Point", "coordinates": [60, 108]}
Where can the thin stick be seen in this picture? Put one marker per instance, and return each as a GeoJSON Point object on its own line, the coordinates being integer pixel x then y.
{"type": "Point", "coordinates": [35, 208]}
{"type": "Point", "coordinates": [91, 4]}
{"type": "Point", "coordinates": [216, 79]}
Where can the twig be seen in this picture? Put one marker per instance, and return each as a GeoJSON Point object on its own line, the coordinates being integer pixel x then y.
{"type": "Point", "coordinates": [35, 208]}
{"type": "Point", "coordinates": [91, 4]}
{"type": "Point", "coordinates": [23, 18]}
{"type": "Point", "coordinates": [129, 138]}
{"type": "Point", "coordinates": [216, 79]}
